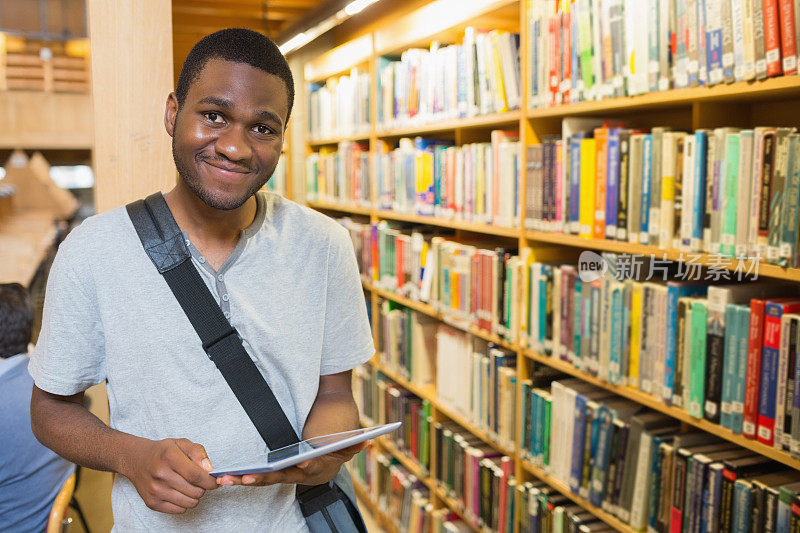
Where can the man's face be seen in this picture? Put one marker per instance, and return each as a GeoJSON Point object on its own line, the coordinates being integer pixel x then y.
{"type": "Point", "coordinates": [227, 136]}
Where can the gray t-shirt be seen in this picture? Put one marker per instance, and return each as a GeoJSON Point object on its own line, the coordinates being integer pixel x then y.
{"type": "Point", "coordinates": [292, 290]}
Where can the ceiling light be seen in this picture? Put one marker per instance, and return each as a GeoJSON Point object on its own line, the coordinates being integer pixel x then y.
{"type": "Point", "coordinates": [295, 42]}
{"type": "Point", "coordinates": [357, 5]}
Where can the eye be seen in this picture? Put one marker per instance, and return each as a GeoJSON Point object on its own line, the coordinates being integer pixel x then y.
{"type": "Point", "coordinates": [216, 118]}
{"type": "Point", "coordinates": [262, 129]}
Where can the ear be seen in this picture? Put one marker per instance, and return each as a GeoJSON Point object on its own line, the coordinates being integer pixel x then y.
{"type": "Point", "coordinates": [171, 113]}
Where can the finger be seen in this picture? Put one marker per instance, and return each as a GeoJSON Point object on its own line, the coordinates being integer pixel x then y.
{"type": "Point", "coordinates": [169, 508]}
{"type": "Point", "coordinates": [287, 475]}
{"type": "Point", "coordinates": [229, 480]}
{"type": "Point", "coordinates": [312, 467]}
{"type": "Point", "coordinates": [177, 498]}
{"type": "Point", "coordinates": [196, 453]}
{"type": "Point", "coordinates": [177, 482]}
{"type": "Point", "coordinates": [191, 472]}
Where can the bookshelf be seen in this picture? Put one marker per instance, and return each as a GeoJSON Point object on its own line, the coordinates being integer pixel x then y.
{"type": "Point", "coordinates": [743, 104]}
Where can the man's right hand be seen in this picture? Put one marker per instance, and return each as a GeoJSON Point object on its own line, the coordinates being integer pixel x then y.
{"type": "Point", "coordinates": [171, 475]}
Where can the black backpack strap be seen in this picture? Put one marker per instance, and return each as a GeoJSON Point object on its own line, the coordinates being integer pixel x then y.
{"type": "Point", "coordinates": [166, 246]}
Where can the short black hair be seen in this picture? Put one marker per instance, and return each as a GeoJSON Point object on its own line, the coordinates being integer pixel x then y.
{"type": "Point", "coordinates": [239, 45]}
{"type": "Point", "coordinates": [16, 319]}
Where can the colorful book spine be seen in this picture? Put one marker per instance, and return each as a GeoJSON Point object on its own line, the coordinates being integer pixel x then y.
{"type": "Point", "coordinates": [729, 202]}
{"type": "Point", "coordinates": [587, 187]}
{"type": "Point", "coordinates": [698, 358]}
{"type": "Point", "coordinates": [612, 189]}
{"type": "Point", "coordinates": [773, 311]}
{"type": "Point", "coordinates": [647, 171]}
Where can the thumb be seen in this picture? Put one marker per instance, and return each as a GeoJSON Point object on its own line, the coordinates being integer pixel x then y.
{"type": "Point", "coordinates": [196, 453]}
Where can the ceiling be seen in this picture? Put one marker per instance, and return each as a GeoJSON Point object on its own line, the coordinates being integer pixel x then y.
{"type": "Point", "coordinates": [194, 19]}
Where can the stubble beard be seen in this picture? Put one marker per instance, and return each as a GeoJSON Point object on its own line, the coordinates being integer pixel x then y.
{"type": "Point", "coordinates": [192, 180]}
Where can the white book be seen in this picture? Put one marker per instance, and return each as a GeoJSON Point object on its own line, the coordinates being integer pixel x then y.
{"type": "Point", "coordinates": [757, 174]}
{"type": "Point", "coordinates": [748, 37]}
{"type": "Point", "coordinates": [636, 25]}
{"type": "Point", "coordinates": [669, 160]}
{"type": "Point", "coordinates": [737, 24]}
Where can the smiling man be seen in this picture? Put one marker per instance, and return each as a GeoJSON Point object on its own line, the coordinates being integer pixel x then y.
{"type": "Point", "coordinates": [284, 276]}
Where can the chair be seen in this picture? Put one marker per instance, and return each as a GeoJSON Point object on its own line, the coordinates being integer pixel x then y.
{"type": "Point", "coordinates": [58, 514]}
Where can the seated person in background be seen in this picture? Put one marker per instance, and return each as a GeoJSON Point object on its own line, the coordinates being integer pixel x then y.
{"type": "Point", "coordinates": [30, 474]}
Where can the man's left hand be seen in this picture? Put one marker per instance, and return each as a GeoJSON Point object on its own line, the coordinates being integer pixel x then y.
{"type": "Point", "coordinates": [314, 472]}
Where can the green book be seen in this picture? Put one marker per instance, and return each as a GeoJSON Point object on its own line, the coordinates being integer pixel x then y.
{"type": "Point", "coordinates": [697, 354]}
{"type": "Point", "coordinates": [727, 238]}
{"type": "Point", "coordinates": [585, 43]}
{"type": "Point", "coordinates": [425, 435]}
{"type": "Point", "coordinates": [791, 210]}
{"type": "Point", "coordinates": [548, 407]}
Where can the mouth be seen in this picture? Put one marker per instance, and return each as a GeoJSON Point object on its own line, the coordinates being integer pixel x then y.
{"type": "Point", "coordinates": [227, 173]}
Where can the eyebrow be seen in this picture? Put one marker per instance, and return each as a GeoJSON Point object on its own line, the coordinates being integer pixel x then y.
{"type": "Point", "coordinates": [227, 104]}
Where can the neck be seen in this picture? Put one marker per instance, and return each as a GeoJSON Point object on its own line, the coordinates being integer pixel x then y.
{"type": "Point", "coordinates": [205, 223]}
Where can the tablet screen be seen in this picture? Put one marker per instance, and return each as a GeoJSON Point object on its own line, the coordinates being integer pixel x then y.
{"type": "Point", "coordinates": [309, 444]}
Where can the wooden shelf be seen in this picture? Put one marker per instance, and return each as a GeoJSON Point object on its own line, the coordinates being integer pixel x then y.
{"type": "Point", "coordinates": [429, 310]}
{"type": "Point", "coordinates": [352, 209]}
{"type": "Point", "coordinates": [374, 510]}
{"type": "Point", "coordinates": [484, 121]}
{"type": "Point", "coordinates": [456, 507]}
{"type": "Point", "coordinates": [675, 412]}
{"type": "Point", "coordinates": [564, 489]}
{"type": "Point", "coordinates": [316, 143]}
{"type": "Point", "coordinates": [708, 260]}
{"type": "Point", "coordinates": [474, 227]}
{"type": "Point", "coordinates": [783, 87]}
{"type": "Point", "coordinates": [444, 21]}
{"type": "Point", "coordinates": [339, 60]}
{"type": "Point", "coordinates": [428, 393]}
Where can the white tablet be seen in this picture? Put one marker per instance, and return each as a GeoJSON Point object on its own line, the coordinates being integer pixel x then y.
{"type": "Point", "coordinates": [303, 451]}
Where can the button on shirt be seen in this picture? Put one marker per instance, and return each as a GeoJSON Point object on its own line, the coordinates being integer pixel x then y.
{"type": "Point", "coordinates": [290, 287]}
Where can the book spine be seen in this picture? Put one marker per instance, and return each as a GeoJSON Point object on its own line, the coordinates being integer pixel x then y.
{"type": "Point", "coordinates": [753, 384]}
{"type": "Point", "coordinates": [772, 38]}
{"type": "Point", "coordinates": [612, 190]}
{"type": "Point", "coordinates": [647, 175]}
{"type": "Point", "coordinates": [759, 40]}
{"type": "Point", "coordinates": [777, 191]}
{"type": "Point", "coordinates": [787, 33]}
{"type": "Point", "coordinates": [765, 202]}
{"type": "Point", "coordinates": [600, 183]}
{"type": "Point", "coordinates": [624, 177]}
{"type": "Point", "coordinates": [769, 373]}
{"type": "Point", "coordinates": [587, 187]}
{"type": "Point", "coordinates": [791, 210]}
{"type": "Point", "coordinates": [729, 202]}
{"type": "Point", "coordinates": [699, 190]}
{"type": "Point", "coordinates": [740, 378]}
{"type": "Point", "coordinates": [698, 359]}
{"type": "Point", "coordinates": [727, 43]}
{"type": "Point", "coordinates": [729, 365]}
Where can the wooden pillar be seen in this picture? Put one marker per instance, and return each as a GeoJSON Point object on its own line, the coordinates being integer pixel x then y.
{"type": "Point", "coordinates": [131, 45]}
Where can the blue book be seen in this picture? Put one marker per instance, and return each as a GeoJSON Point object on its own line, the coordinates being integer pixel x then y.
{"type": "Point", "coordinates": [699, 193]}
{"type": "Point", "coordinates": [612, 182]}
{"type": "Point", "coordinates": [730, 351]}
{"type": "Point", "coordinates": [615, 333]}
{"type": "Point", "coordinates": [577, 332]}
{"type": "Point", "coordinates": [647, 174]}
{"type": "Point", "coordinates": [574, 178]}
{"type": "Point", "coordinates": [741, 506]}
{"type": "Point", "coordinates": [578, 443]}
{"type": "Point", "coordinates": [773, 312]}
{"type": "Point", "coordinates": [739, 384]}
{"type": "Point", "coordinates": [713, 45]}
{"type": "Point", "coordinates": [536, 420]}
{"type": "Point", "coordinates": [597, 486]}
{"type": "Point", "coordinates": [713, 497]}
{"type": "Point", "coordinates": [675, 290]}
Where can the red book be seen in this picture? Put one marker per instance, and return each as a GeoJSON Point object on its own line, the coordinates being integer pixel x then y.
{"type": "Point", "coordinates": [601, 143]}
{"type": "Point", "coordinates": [772, 38]}
{"type": "Point", "coordinates": [507, 466]}
{"type": "Point", "coordinates": [553, 80]}
{"type": "Point", "coordinates": [753, 375]}
{"type": "Point", "coordinates": [566, 27]}
{"type": "Point", "coordinates": [398, 262]}
{"type": "Point", "coordinates": [774, 309]}
{"type": "Point", "coordinates": [788, 43]}
{"type": "Point", "coordinates": [487, 291]}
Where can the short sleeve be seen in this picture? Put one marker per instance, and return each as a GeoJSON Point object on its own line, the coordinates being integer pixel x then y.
{"type": "Point", "coordinates": [69, 356]}
{"type": "Point", "coordinates": [347, 339]}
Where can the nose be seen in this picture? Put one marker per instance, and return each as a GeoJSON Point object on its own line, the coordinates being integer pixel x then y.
{"type": "Point", "coordinates": [234, 144]}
